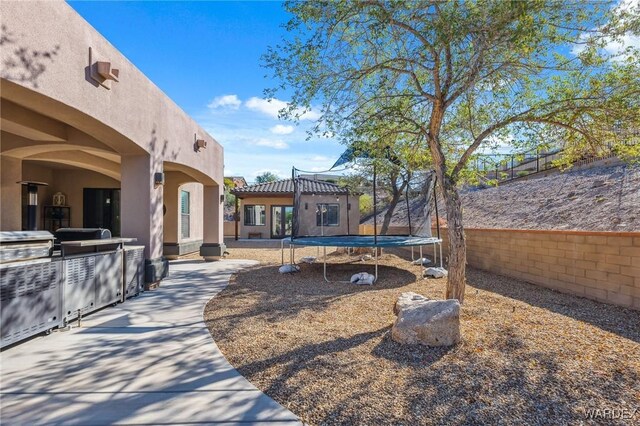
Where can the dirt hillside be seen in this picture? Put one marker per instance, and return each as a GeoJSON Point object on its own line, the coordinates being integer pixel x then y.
{"type": "Point", "coordinates": [596, 199]}
{"type": "Point", "coordinates": [605, 198]}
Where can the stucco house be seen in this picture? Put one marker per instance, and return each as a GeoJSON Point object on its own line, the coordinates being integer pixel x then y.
{"type": "Point", "coordinates": [118, 153]}
{"type": "Point", "coordinates": [265, 210]}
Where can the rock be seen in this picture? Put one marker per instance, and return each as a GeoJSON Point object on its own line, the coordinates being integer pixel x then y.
{"type": "Point", "coordinates": [406, 299]}
{"type": "Point", "coordinates": [427, 322]}
{"type": "Point", "coordinates": [363, 278]}
{"type": "Point", "coordinates": [289, 269]}
{"type": "Point", "coordinates": [597, 183]}
{"type": "Point", "coordinates": [308, 259]}
{"type": "Point", "coordinates": [424, 261]}
{"type": "Point", "coordinates": [436, 272]}
{"type": "Point", "coordinates": [366, 257]}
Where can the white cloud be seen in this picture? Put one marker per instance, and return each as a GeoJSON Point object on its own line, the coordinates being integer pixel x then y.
{"type": "Point", "coordinates": [280, 129]}
{"type": "Point", "coordinates": [263, 171]}
{"type": "Point", "coordinates": [276, 144]}
{"type": "Point", "coordinates": [616, 47]}
{"type": "Point", "coordinates": [319, 158]}
{"type": "Point", "coordinates": [269, 108]}
{"type": "Point", "coordinates": [273, 106]}
{"type": "Point", "coordinates": [318, 169]}
{"type": "Point", "coordinates": [225, 101]}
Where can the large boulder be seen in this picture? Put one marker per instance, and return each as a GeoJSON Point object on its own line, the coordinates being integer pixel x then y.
{"type": "Point", "coordinates": [424, 321]}
{"type": "Point", "coordinates": [407, 299]}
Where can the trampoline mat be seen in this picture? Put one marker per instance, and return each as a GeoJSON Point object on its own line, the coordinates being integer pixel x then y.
{"type": "Point", "coordinates": [364, 241]}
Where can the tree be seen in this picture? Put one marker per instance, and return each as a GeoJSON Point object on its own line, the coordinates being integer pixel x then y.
{"type": "Point", "coordinates": [229, 198]}
{"type": "Point", "coordinates": [266, 177]}
{"type": "Point", "coordinates": [366, 204]}
{"type": "Point", "coordinates": [470, 74]}
{"type": "Point", "coordinates": [394, 165]}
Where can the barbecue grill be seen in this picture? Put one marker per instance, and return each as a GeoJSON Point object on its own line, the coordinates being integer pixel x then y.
{"type": "Point", "coordinates": [30, 285]}
{"type": "Point", "coordinates": [41, 289]}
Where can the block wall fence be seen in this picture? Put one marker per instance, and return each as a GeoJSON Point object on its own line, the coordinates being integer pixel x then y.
{"type": "Point", "coordinates": [603, 266]}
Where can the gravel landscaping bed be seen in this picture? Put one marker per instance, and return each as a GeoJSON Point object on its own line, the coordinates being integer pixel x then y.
{"type": "Point", "coordinates": [528, 356]}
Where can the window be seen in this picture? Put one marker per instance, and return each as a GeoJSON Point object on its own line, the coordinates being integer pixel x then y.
{"type": "Point", "coordinates": [185, 210]}
{"type": "Point", "coordinates": [255, 215]}
{"type": "Point", "coordinates": [328, 214]}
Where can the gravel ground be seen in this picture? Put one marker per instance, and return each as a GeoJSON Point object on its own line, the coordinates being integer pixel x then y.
{"type": "Point", "coordinates": [529, 355]}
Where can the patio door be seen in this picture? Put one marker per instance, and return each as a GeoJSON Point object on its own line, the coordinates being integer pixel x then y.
{"type": "Point", "coordinates": [101, 209]}
{"type": "Point", "coordinates": [281, 221]}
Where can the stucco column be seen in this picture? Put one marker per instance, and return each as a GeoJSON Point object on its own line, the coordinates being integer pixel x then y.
{"type": "Point", "coordinates": [10, 194]}
{"type": "Point", "coordinates": [141, 210]}
{"type": "Point", "coordinates": [213, 232]}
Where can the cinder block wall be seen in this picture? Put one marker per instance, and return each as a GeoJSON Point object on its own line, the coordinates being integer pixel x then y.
{"type": "Point", "coordinates": [603, 266]}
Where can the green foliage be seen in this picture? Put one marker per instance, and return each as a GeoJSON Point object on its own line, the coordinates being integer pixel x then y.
{"type": "Point", "coordinates": [229, 198]}
{"type": "Point", "coordinates": [366, 205]}
{"type": "Point", "coordinates": [449, 78]}
{"type": "Point", "coordinates": [266, 177]}
{"type": "Point", "coordinates": [229, 183]}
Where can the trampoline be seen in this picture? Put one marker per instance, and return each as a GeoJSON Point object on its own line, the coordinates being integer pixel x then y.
{"type": "Point", "coordinates": [350, 241]}
{"type": "Point", "coordinates": [419, 197]}
{"type": "Point", "coordinates": [364, 241]}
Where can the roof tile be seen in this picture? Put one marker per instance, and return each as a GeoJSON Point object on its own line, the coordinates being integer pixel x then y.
{"type": "Point", "coordinates": [285, 186]}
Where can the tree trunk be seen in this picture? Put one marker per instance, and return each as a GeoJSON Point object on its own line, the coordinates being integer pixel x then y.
{"type": "Point", "coordinates": [457, 245]}
{"type": "Point", "coordinates": [389, 214]}
{"type": "Point", "coordinates": [455, 231]}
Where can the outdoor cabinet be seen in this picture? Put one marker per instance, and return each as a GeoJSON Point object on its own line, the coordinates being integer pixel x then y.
{"type": "Point", "coordinates": [79, 286]}
{"type": "Point", "coordinates": [108, 278]}
{"type": "Point", "coordinates": [133, 270]}
{"type": "Point", "coordinates": [30, 298]}
{"type": "Point", "coordinates": [92, 281]}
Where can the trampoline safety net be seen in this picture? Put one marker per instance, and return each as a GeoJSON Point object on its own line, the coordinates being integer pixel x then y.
{"type": "Point", "coordinates": [323, 209]}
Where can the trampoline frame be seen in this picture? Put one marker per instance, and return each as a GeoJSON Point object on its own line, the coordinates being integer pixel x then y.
{"type": "Point", "coordinates": [377, 243]}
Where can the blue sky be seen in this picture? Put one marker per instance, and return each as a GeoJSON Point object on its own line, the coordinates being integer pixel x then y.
{"type": "Point", "coordinates": [206, 57]}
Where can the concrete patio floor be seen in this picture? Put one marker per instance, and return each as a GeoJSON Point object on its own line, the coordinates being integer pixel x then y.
{"type": "Point", "coordinates": [150, 360]}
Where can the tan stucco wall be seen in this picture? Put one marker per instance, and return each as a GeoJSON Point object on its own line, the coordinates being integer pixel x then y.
{"type": "Point", "coordinates": [72, 183]}
{"type": "Point", "coordinates": [127, 133]}
{"type": "Point", "coordinates": [10, 194]}
{"type": "Point", "coordinates": [265, 229]}
{"type": "Point", "coordinates": [307, 216]}
{"type": "Point", "coordinates": [175, 182]}
{"type": "Point", "coordinates": [229, 229]}
{"type": "Point", "coordinates": [132, 117]}
{"type": "Point", "coordinates": [195, 219]}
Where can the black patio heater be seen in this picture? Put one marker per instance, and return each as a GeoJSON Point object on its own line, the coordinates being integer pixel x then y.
{"type": "Point", "coordinates": [32, 203]}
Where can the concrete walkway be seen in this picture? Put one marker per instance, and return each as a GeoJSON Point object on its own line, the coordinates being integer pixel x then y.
{"type": "Point", "coordinates": [150, 360]}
